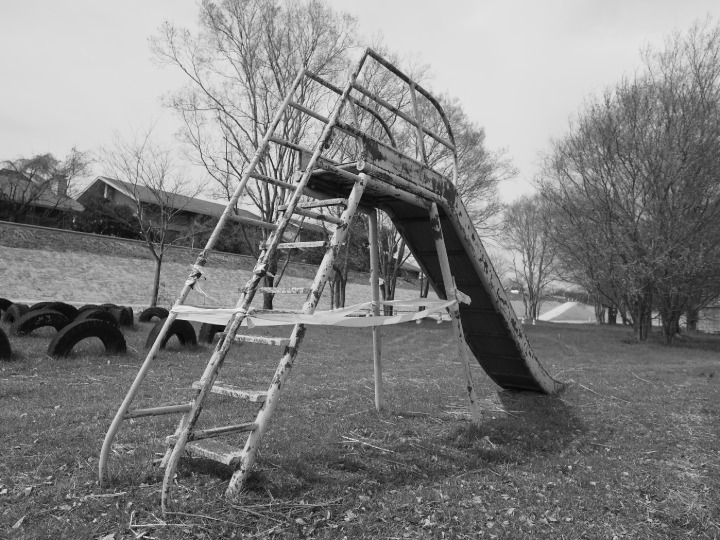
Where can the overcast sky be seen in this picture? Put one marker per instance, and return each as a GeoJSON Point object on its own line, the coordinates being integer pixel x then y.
{"type": "Point", "coordinates": [74, 71]}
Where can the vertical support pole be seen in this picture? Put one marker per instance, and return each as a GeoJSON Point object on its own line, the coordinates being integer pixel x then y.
{"type": "Point", "coordinates": [449, 285]}
{"type": "Point", "coordinates": [375, 285]}
{"type": "Point", "coordinates": [418, 123]}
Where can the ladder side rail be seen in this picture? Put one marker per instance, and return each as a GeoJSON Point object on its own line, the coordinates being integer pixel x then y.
{"type": "Point", "coordinates": [190, 283]}
{"type": "Point", "coordinates": [211, 371]}
{"type": "Point", "coordinates": [283, 370]}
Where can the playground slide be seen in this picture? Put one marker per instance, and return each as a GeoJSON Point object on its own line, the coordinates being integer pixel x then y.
{"type": "Point", "coordinates": [404, 188]}
{"type": "Point", "coordinates": [492, 331]}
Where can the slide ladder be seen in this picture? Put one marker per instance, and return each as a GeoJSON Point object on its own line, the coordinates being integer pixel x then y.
{"type": "Point", "coordinates": [423, 205]}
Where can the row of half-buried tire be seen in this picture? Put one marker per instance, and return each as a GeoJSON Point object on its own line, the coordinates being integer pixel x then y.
{"type": "Point", "coordinates": [72, 324]}
{"type": "Point", "coordinates": [185, 333]}
{"type": "Point", "coordinates": [76, 324]}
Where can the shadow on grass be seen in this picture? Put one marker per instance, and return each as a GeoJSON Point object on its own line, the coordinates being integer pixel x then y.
{"type": "Point", "coordinates": [534, 424]}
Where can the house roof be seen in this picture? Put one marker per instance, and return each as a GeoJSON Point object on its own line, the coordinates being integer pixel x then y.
{"type": "Point", "coordinates": [188, 204]}
{"type": "Point", "coordinates": [19, 188]}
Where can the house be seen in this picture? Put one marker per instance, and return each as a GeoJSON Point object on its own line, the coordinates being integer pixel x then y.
{"type": "Point", "coordinates": [192, 212]}
{"type": "Point", "coordinates": [709, 319]}
{"type": "Point", "coordinates": [35, 201]}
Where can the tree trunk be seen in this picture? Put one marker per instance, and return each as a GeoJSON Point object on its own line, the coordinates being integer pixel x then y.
{"type": "Point", "coordinates": [692, 317]}
{"type": "Point", "coordinates": [331, 284]}
{"type": "Point", "coordinates": [641, 313]}
{"type": "Point", "coordinates": [671, 324]}
{"type": "Point", "coordinates": [156, 279]}
{"type": "Point", "coordinates": [270, 281]}
{"type": "Point", "coordinates": [599, 312]}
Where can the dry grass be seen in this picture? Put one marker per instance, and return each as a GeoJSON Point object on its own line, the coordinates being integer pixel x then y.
{"type": "Point", "coordinates": [629, 450]}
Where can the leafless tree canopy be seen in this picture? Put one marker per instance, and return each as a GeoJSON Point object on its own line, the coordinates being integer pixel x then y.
{"type": "Point", "coordinates": [635, 185]}
{"type": "Point", "coordinates": [160, 190]}
{"type": "Point", "coordinates": [39, 184]}
{"type": "Point", "coordinates": [239, 66]}
{"type": "Point", "coordinates": [534, 260]}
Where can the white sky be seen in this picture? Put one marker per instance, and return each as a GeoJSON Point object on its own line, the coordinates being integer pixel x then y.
{"type": "Point", "coordinates": [74, 71]}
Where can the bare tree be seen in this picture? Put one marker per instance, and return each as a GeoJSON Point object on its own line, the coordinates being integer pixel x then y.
{"type": "Point", "coordinates": [160, 192]}
{"type": "Point", "coordinates": [634, 184]}
{"type": "Point", "coordinates": [36, 187]}
{"type": "Point", "coordinates": [525, 234]}
{"type": "Point", "coordinates": [239, 67]}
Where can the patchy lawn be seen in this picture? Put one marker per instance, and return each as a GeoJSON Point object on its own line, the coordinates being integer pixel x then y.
{"type": "Point", "coordinates": [629, 450]}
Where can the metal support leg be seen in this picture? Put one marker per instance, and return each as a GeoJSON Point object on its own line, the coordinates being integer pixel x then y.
{"type": "Point", "coordinates": [449, 285]}
{"type": "Point", "coordinates": [375, 281]}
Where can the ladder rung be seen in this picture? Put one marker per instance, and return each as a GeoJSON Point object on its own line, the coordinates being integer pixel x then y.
{"type": "Point", "coordinates": [215, 450]}
{"type": "Point", "coordinates": [317, 204]}
{"type": "Point", "coordinates": [278, 342]}
{"type": "Point", "coordinates": [284, 311]}
{"type": "Point", "coordinates": [285, 290]}
{"type": "Point", "coordinates": [309, 112]}
{"type": "Point", "coordinates": [156, 411]}
{"type": "Point", "coordinates": [302, 245]}
{"type": "Point", "coordinates": [319, 216]}
{"type": "Point", "coordinates": [201, 434]}
{"type": "Point", "coordinates": [254, 222]}
{"type": "Point", "coordinates": [271, 180]}
{"type": "Point", "coordinates": [256, 396]}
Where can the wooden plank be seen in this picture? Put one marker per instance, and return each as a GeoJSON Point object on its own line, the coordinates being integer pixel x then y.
{"type": "Point", "coordinates": [285, 290]}
{"type": "Point", "coordinates": [317, 204]}
{"type": "Point", "coordinates": [278, 342]}
{"type": "Point", "coordinates": [214, 450]}
{"type": "Point", "coordinates": [302, 245]}
{"type": "Point", "coordinates": [318, 216]}
{"type": "Point", "coordinates": [255, 396]}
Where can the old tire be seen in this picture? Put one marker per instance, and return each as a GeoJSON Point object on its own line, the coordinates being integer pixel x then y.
{"type": "Point", "coordinates": [5, 349]}
{"type": "Point", "coordinates": [33, 320]}
{"type": "Point", "coordinates": [14, 312]}
{"type": "Point", "coordinates": [87, 307]}
{"type": "Point", "coordinates": [39, 306]}
{"type": "Point", "coordinates": [69, 311]}
{"type": "Point", "coordinates": [97, 314]}
{"type": "Point", "coordinates": [64, 341]}
{"type": "Point", "coordinates": [182, 329]}
{"type": "Point", "coordinates": [207, 332]}
{"type": "Point", "coordinates": [147, 314]}
{"type": "Point", "coordinates": [123, 315]}
{"type": "Point", "coordinates": [4, 304]}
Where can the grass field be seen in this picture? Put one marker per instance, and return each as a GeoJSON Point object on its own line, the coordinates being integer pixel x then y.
{"type": "Point", "coordinates": [629, 450]}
